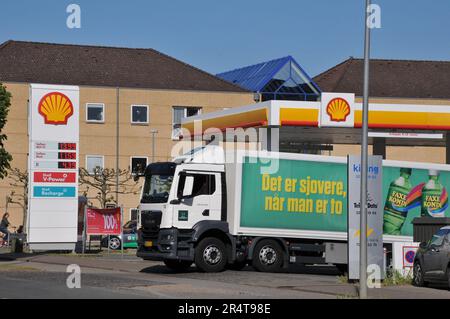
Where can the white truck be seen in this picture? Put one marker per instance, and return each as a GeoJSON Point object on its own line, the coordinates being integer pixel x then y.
{"type": "Point", "coordinates": [199, 210]}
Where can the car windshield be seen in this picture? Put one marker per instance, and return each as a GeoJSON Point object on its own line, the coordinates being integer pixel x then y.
{"type": "Point", "coordinates": [156, 188]}
{"type": "Point", "coordinates": [438, 238]}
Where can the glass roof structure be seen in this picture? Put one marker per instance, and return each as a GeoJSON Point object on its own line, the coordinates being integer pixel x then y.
{"type": "Point", "coordinates": [279, 79]}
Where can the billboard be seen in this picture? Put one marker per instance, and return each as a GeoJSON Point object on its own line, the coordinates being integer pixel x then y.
{"type": "Point", "coordinates": [103, 221]}
{"type": "Point", "coordinates": [53, 166]}
{"type": "Point", "coordinates": [312, 195]}
{"type": "Point", "coordinates": [302, 195]}
{"type": "Point", "coordinates": [411, 192]}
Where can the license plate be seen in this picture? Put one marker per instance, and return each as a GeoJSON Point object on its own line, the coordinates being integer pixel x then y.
{"type": "Point", "coordinates": [148, 244]}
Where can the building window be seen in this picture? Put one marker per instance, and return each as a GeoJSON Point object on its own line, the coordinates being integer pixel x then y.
{"type": "Point", "coordinates": [94, 162]}
{"type": "Point", "coordinates": [178, 113]}
{"type": "Point", "coordinates": [138, 165]}
{"type": "Point", "coordinates": [95, 112]}
{"type": "Point", "coordinates": [139, 114]}
{"type": "Point", "coordinates": [134, 214]}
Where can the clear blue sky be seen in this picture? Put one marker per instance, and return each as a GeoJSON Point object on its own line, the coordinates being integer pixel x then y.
{"type": "Point", "coordinates": [218, 35]}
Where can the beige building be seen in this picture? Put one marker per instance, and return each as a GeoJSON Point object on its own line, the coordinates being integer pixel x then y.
{"type": "Point", "coordinates": [125, 95]}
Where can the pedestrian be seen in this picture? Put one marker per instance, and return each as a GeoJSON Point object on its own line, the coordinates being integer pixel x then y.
{"type": "Point", "coordinates": [4, 224]}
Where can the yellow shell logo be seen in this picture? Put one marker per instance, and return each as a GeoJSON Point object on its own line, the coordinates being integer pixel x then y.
{"type": "Point", "coordinates": [56, 108]}
{"type": "Point", "coordinates": [338, 109]}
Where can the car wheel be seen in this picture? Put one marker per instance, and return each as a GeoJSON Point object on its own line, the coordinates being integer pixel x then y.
{"type": "Point", "coordinates": [114, 243]}
{"type": "Point", "coordinates": [267, 256]}
{"type": "Point", "coordinates": [448, 277]}
{"type": "Point", "coordinates": [177, 265]}
{"type": "Point", "coordinates": [211, 255]}
{"type": "Point", "coordinates": [418, 275]}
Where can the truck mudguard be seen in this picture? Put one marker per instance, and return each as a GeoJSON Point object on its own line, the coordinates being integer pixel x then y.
{"type": "Point", "coordinates": [214, 225]}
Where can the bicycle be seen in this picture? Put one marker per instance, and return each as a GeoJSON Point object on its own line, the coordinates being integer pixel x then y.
{"type": "Point", "coordinates": [8, 242]}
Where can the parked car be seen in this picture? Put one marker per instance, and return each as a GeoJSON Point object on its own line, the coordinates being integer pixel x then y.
{"type": "Point", "coordinates": [432, 261]}
{"type": "Point", "coordinates": [129, 237]}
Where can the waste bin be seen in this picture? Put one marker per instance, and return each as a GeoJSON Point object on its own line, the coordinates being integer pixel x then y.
{"type": "Point", "coordinates": [16, 243]}
{"type": "Point", "coordinates": [426, 227]}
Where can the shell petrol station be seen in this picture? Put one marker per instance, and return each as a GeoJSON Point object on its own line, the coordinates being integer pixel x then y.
{"type": "Point", "coordinates": [333, 124]}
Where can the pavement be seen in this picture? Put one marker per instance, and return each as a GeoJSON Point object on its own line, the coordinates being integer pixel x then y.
{"type": "Point", "coordinates": [115, 276]}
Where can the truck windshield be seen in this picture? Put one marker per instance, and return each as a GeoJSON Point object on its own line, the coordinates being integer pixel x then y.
{"type": "Point", "coordinates": [156, 188]}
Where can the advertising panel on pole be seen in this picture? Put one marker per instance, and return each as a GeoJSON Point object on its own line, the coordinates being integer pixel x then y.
{"type": "Point", "coordinates": [103, 221]}
{"type": "Point", "coordinates": [53, 167]}
{"type": "Point", "coordinates": [375, 253]}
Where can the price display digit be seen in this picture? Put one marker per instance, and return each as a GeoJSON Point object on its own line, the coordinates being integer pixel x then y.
{"type": "Point", "coordinates": [67, 165]}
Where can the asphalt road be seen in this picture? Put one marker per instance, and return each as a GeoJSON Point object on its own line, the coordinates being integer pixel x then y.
{"type": "Point", "coordinates": [45, 277]}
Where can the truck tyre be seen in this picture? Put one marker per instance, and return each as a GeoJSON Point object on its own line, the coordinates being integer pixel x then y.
{"type": "Point", "coordinates": [178, 265]}
{"type": "Point", "coordinates": [267, 256]}
{"type": "Point", "coordinates": [211, 255]}
{"type": "Point", "coordinates": [418, 275]}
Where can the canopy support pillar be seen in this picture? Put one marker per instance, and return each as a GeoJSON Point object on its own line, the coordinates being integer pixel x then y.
{"type": "Point", "coordinates": [379, 147]}
{"type": "Point", "coordinates": [447, 148]}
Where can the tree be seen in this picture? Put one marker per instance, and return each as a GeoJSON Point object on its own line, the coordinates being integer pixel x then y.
{"type": "Point", "coordinates": [19, 179]}
{"type": "Point", "coordinates": [5, 157]}
{"type": "Point", "coordinates": [103, 180]}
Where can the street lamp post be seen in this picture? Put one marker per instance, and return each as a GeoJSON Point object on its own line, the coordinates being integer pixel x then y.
{"type": "Point", "coordinates": [154, 132]}
{"type": "Point", "coordinates": [364, 160]}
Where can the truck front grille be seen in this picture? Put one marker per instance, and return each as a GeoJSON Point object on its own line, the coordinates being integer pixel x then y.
{"type": "Point", "coordinates": [151, 221]}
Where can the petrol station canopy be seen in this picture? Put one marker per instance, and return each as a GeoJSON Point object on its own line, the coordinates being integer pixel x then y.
{"type": "Point", "coordinates": [312, 122]}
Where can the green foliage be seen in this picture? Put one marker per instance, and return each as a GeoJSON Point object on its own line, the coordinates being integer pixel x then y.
{"type": "Point", "coordinates": [5, 157]}
{"type": "Point", "coordinates": [396, 278]}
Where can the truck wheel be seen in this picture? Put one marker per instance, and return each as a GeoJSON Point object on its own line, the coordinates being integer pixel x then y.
{"type": "Point", "coordinates": [418, 274]}
{"type": "Point", "coordinates": [178, 265]}
{"type": "Point", "coordinates": [267, 256]}
{"type": "Point", "coordinates": [211, 255]}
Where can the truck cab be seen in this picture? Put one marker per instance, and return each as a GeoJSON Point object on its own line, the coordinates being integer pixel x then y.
{"type": "Point", "coordinates": [182, 203]}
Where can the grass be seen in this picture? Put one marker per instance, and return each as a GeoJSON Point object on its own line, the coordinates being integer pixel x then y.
{"type": "Point", "coordinates": [342, 279]}
{"type": "Point", "coordinates": [14, 267]}
{"type": "Point", "coordinates": [396, 278]}
{"type": "Point", "coordinates": [393, 278]}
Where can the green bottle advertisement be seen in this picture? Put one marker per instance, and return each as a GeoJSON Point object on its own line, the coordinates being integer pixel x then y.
{"type": "Point", "coordinates": [434, 197]}
{"type": "Point", "coordinates": [395, 210]}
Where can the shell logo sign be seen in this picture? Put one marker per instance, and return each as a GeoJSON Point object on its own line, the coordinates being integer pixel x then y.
{"type": "Point", "coordinates": [338, 109]}
{"type": "Point", "coordinates": [56, 108]}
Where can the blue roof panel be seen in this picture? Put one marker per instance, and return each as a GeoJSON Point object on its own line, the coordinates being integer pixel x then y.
{"type": "Point", "coordinates": [255, 77]}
